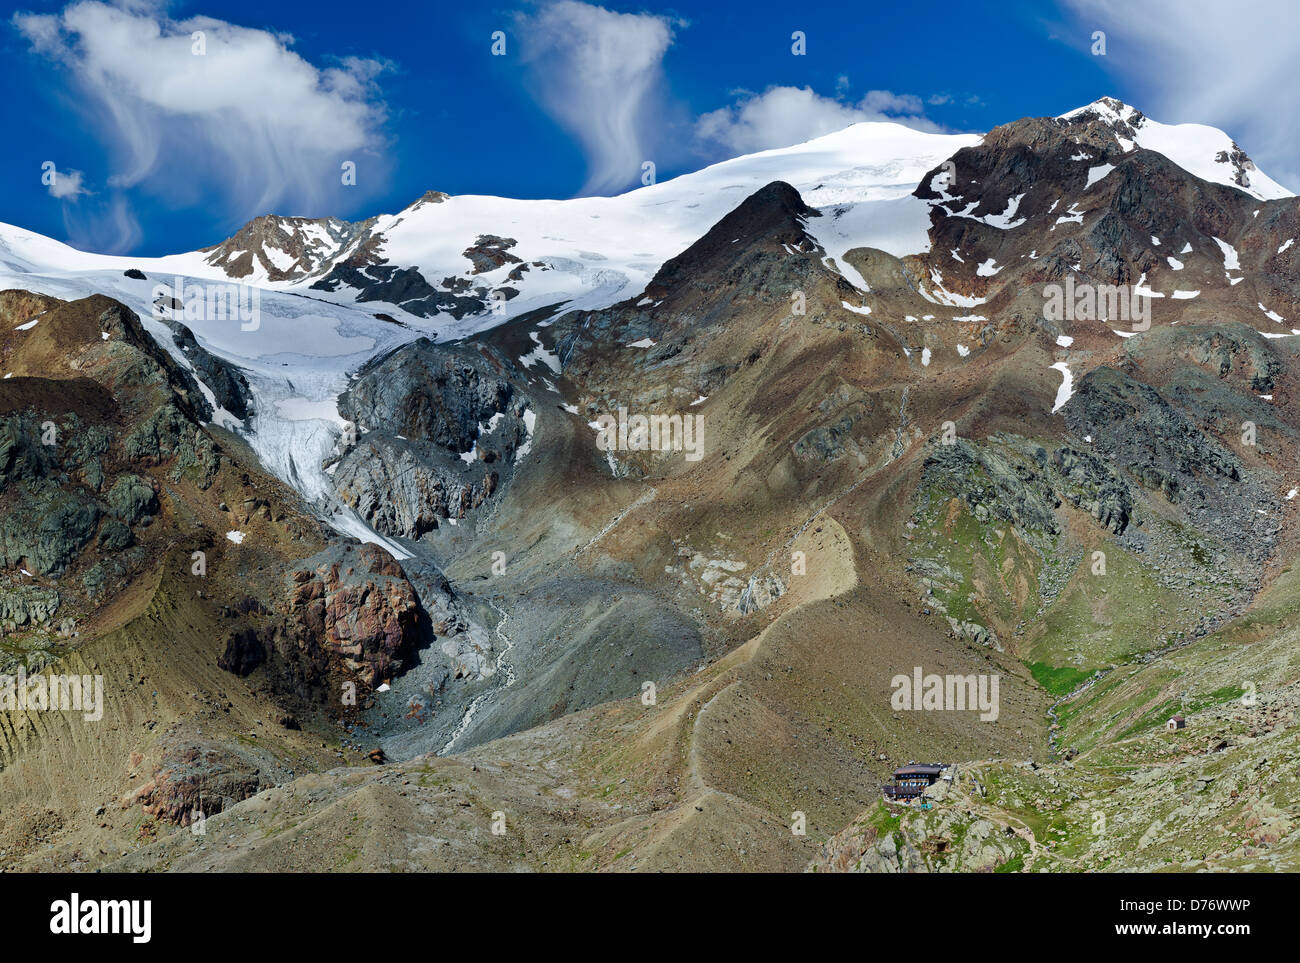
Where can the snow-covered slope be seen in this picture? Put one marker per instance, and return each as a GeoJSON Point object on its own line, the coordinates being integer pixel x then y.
{"type": "Point", "coordinates": [1206, 152]}
{"type": "Point", "coordinates": [590, 252]}
{"type": "Point", "coordinates": [598, 250]}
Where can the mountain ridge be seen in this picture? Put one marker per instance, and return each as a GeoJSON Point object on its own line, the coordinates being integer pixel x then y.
{"type": "Point", "coordinates": [909, 459]}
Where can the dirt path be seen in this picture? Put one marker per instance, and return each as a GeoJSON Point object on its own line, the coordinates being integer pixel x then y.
{"type": "Point", "coordinates": [645, 498]}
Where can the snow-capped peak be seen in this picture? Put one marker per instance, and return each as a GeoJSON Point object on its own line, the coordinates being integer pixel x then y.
{"type": "Point", "coordinates": [1205, 152]}
{"type": "Point", "coordinates": [275, 248]}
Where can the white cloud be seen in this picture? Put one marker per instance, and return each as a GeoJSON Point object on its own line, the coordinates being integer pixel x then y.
{"type": "Point", "coordinates": [885, 102]}
{"type": "Point", "coordinates": [782, 116]}
{"type": "Point", "coordinates": [66, 185]}
{"type": "Point", "coordinates": [249, 120]}
{"type": "Point", "coordinates": [1207, 62]}
{"type": "Point", "coordinates": [597, 73]}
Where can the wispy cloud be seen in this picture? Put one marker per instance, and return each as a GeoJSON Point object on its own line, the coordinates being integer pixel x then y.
{"type": "Point", "coordinates": [599, 74]}
{"type": "Point", "coordinates": [105, 224]}
{"type": "Point", "coordinates": [1204, 61]}
{"type": "Point", "coordinates": [202, 110]}
{"type": "Point", "coordinates": [781, 116]}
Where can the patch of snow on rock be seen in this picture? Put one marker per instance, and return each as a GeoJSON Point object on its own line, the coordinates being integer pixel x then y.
{"type": "Point", "coordinates": [1064, 392]}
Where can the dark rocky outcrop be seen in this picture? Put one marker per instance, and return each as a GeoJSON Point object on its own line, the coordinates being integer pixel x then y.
{"type": "Point", "coordinates": [197, 777]}
{"type": "Point", "coordinates": [28, 604]}
{"type": "Point", "coordinates": [132, 499]}
{"type": "Point", "coordinates": [244, 652]}
{"type": "Point", "coordinates": [490, 252]}
{"type": "Point", "coordinates": [394, 486]}
{"type": "Point", "coordinates": [438, 431]}
{"type": "Point", "coordinates": [227, 382]}
{"type": "Point", "coordinates": [1093, 487]}
{"type": "Point", "coordinates": [991, 485]}
{"type": "Point", "coordinates": [168, 436]}
{"type": "Point", "coordinates": [1152, 440]}
{"type": "Point", "coordinates": [427, 393]}
{"type": "Point", "coordinates": [406, 287]}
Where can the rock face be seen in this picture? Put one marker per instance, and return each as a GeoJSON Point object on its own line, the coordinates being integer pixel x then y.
{"type": "Point", "coordinates": [426, 393]}
{"type": "Point", "coordinates": [228, 384]}
{"type": "Point", "coordinates": [1163, 451]}
{"type": "Point", "coordinates": [1229, 354]}
{"type": "Point", "coordinates": [1093, 487]}
{"type": "Point", "coordinates": [28, 604]}
{"type": "Point", "coordinates": [168, 436]}
{"type": "Point", "coordinates": [72, 451]}
{"type": "Point", "coordinates": [132, 499]}
{"type": "Point", "coordinates": [439, 431]}
{"type": "Point", "coordinates": [987, 480]}
{"type": "Point", "coordinates": [392, 485]}
{"type": "Point", "coordinates": [284, 248]}
{"type": "Point", "coordinates": [196, 777]}
{"type": "Point", "coordinates": [52, 508]}
{"type": "Point", "coordinates": [244, 652]}
{"type": "Point", "coordinates": [1027, 490]}
{"type": "Point", "coordinates": [354, 605]}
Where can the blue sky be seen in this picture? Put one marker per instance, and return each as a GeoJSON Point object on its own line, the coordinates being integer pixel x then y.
{"type": "Point", "coordinates": [159, 149]}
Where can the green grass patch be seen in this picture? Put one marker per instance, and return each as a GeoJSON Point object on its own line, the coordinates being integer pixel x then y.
{"type": "Point", "coordinates": [1015, 864]}
{"type": "Point", "coordinates": [1058, 680]}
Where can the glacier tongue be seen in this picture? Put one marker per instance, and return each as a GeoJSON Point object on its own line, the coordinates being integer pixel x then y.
{"type": "Point", "coordinates": [296, 359]}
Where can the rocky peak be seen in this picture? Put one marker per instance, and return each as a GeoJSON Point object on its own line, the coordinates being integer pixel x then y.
{"type": "Point", "coordinates": [771, 217]}
{"type": "Point", "coordinates": [429, 197]}
{"type": "Point", "coordinates": [1124, 120]}
{"type": "Point", "coordinates": [275, 248]}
